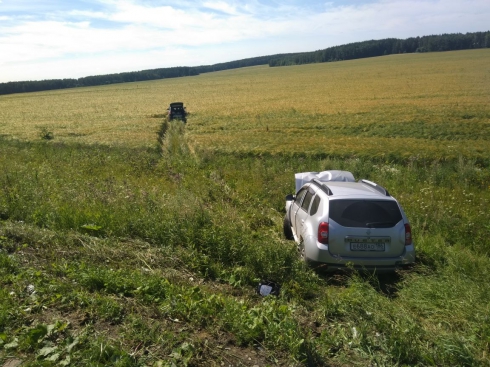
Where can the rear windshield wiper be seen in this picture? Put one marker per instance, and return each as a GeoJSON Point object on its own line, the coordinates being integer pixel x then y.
{"type": "Point", "coordinates": [380, 224]}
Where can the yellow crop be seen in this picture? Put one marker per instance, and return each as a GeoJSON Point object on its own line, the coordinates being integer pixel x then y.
{"type": "Point", "coordinates": [432, 105]}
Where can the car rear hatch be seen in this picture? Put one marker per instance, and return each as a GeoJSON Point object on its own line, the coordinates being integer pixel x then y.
{"type": "Point", "coordinates": [367, 228]}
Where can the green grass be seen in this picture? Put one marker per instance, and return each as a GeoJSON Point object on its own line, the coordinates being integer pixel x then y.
{"type": "Point", "coordinates": [157, 259]}
{"type": "Point", "coordinates": [148, 254]}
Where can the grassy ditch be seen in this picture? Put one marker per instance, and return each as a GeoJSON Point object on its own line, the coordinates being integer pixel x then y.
{"type": "Point", "coordinates": [151, 256]}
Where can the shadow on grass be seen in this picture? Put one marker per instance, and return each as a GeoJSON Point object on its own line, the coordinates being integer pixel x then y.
{"type": "Point", "coordinates": [384, 283]}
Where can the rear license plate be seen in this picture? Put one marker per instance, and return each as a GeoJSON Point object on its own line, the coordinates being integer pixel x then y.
{"type": "Point", "coordinates": [363, 246]}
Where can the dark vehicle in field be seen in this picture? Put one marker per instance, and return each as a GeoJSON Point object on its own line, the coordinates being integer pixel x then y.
{"type": "Point", "coordinates": [177, 111]}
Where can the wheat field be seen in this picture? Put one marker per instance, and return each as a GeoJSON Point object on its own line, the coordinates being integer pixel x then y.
{"type": "Point", "coordinates": [434, 105]}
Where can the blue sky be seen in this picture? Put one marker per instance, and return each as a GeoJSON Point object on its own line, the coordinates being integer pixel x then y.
{"type": "Point", "coordinates": [47, 39]}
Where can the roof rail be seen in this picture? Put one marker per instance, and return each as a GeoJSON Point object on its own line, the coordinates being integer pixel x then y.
{"type": "Point", "coordinates": [322, 186]}
{"type": "Point", "coordinates": [377, 187]}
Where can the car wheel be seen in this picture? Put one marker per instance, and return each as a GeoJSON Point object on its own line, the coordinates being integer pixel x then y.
{"type": "Point", "coordinates": [288, 232]}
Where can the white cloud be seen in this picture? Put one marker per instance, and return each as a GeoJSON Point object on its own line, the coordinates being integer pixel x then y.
{"type": "Point", "coordinates": [221, 6]}
{"type": "Point", "coordinates": [87, 14]}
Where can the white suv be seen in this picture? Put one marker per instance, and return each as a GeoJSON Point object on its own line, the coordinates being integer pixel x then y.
{"type": "Point", "coordinates": [339, 222]}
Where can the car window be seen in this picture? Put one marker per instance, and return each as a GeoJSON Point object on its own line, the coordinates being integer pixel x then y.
{"type": "Point", "coordinates": [315, 205]}
{"type": "Point", "coordinates": [365, 213]}
{"type": "Point", "coordinates": [300, 195]}
{"type": "Point", "coordinates": [306, 202]}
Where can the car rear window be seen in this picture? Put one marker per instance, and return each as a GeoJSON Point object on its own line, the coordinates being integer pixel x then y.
{"type": "Point", "coordinates": [365, 213]}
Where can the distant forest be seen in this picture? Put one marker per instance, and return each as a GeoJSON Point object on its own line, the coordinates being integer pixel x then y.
{"type": "Point", "coordinates": [358, 50]}
{"type": "Point", "coordinates": [389, 46]}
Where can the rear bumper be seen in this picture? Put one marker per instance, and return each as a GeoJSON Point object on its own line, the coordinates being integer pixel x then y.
{"type": "Point", "coordinates": [321, 254]}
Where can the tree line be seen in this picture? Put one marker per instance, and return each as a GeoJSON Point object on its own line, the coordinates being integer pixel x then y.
{"type": "Point", "coordinates": [133, 76]}
{"type": "Point", "coordinates": [389, 46]}
{"type": "Point", "coordinates": [357, 50]}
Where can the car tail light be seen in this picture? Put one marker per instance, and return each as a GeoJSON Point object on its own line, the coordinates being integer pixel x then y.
{"type": "Point", "coordinates": [408, 234]}
{"type": "Point", "coordinates": [323, 233]}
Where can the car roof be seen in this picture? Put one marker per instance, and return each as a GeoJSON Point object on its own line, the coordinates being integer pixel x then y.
{"type": "Point", "coordinates": [354, 190]}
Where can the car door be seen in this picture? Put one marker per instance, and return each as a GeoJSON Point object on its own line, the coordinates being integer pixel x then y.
{"type": "Point", "coordinates": [295, 206]}
{"type": "Point", "coordinates": [302, 212]}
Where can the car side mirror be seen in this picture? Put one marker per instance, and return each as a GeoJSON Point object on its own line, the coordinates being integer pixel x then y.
{"type": "Point", "coordinates": [290, 197]}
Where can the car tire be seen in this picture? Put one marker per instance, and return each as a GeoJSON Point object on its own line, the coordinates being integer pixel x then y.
{"type": "Point", "coordinates": [288, 232]}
